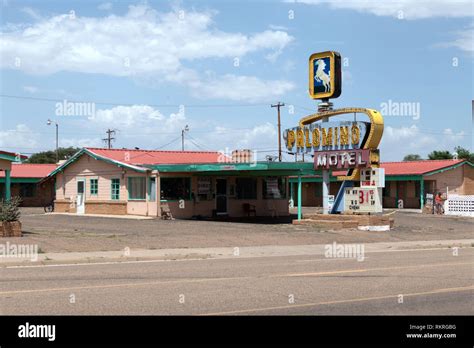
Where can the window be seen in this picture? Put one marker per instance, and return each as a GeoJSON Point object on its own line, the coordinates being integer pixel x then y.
{"type": "Point", "coordinates": [152, 187]}
{"type": "Point", "coordinates": [136, 188]}
{"type": "Point", "coordinates": [175, 188]}
{"type": "Point", "coordinates": [318, 189]}
{"type": "Point", "coordinates": [27, 190]}
{"type": "Point", "coordinates": [274, 188]}
{"type": "Point", "coordinates": [115, 189]}
{"type": "Point", "coordinates": [417, 189]}
{"type": "Point", "coordinates": [246, 188]}
{"type": "Point", "coordinates": [94, 185]}
{"type": "Point", "coordinates": [204, 185]}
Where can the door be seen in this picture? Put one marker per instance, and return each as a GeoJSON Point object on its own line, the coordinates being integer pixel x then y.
{"type": "Point", "coordinates": [80, 198]}
{"type": "Point", "coordinates": [401, 194]}
{"type": "Point", "coordinates": [221, 196]}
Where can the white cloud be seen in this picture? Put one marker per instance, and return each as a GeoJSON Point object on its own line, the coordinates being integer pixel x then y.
{"type": "Point", "coordinates": [144, 124]}
{"type": "Point", "coordinates": [409, 9]}
{"type": "Point", "coordinates": [80, 142]}
{"type": "Point", "coordinates": [261, 138]}
{"type": "Point", "coordinates": [278, 27]}
{"type": "Point", "coordinates": [398, 142]}
{"type": "Point", "coordinates": [106, 6]}
{"type": "Point", "coordinates": [21, 137]}
{"type": "Point", "coordinates": [143, 43]}
{"type": "Point", "coordinates": [143, 119]}
{"type": "Point", "coordinates": [239, 88]}
{"type": "Point", "coordinates": [30, 89]}
{"type": "Point", "coordinates": [31, 12]}
{"type": "Point", "coordinates": [464, 40]}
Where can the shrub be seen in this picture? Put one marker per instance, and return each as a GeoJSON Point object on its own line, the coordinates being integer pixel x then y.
{"type": "Point", "coordinates": [9, 210]}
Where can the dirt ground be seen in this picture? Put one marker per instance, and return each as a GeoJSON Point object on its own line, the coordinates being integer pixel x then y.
{"type": "Point", "coordinates": [63, 233]}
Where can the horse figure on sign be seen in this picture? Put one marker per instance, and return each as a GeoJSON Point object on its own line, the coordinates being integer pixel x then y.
{"type": "Point", "coordinates": [321, 75]}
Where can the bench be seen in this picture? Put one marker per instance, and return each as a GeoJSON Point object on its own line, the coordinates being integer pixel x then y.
{"type": "Point", "coordinates": [249, 208]}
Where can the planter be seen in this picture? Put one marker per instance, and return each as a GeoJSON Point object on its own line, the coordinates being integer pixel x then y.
{"type": "Point", "coordinates": [10, 229]}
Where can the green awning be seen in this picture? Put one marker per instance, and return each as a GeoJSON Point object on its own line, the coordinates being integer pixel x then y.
{"type": "Point", "coordinates": [239, 169]}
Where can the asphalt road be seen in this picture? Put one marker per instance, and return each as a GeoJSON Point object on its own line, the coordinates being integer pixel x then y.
{"type": "Point", "coordinates": [397, 282]}
{"type": "Point", "coordinates": [66, 233]}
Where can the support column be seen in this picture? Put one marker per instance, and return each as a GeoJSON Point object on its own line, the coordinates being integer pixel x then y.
{"type": "Point", "coordinates": [325, 184]}
{"type": "Point", "coordinates": [157, 193]}
{"type": "Point", "coordinates": [7, 185]}
{"type": "Point", "coordinates": [291, 192]}
{"type": "Point", "coordinates": [325, 191]}
{"type": "Point", "coordinates": [299, 197]}
{"type": "Point", "coordinates": [422, 193]}
{"type": "Point", "coordinates": [396, 194]}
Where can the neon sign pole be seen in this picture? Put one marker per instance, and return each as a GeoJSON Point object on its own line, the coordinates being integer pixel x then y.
{"type": "Point", "coordinates": [344, 145]}
{"type": "Point", "coordinates": [325, 83]}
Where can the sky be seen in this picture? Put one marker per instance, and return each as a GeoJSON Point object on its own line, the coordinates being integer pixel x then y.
{"type": "Point", "coordinates": [147, 69]}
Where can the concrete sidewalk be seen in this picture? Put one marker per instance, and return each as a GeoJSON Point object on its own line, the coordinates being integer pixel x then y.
{"type": "Point", "coordinates": [130, 217]}
{"type": "Point", "coordinates": [217, 253]}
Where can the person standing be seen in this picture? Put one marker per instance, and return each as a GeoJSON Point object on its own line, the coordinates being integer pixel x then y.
{"type": "Point", "coordinates": [439, 203]}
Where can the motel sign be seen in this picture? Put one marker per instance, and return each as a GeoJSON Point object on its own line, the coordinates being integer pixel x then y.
{"type": "Point", "coordinates": [325, 75]}
{"type": "Point", "coordinates": [345, 145]}
{"type": "Point", "coordinates": [341, 159]}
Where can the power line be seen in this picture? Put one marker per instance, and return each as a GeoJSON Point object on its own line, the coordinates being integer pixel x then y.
{"type": "Point", "coordinates": [171, 142]}
{"type": "Point", "coordinates": [196, 143]}
{"type": "Point", "coordinates": [109, 138]}
{"type": "Point", "coordinates": [132, 104]}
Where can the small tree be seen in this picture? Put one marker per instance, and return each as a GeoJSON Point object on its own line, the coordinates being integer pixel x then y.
{"type": "Point", "coordinates": [437, 155]}
{"type": "Point", "coordinates": [50, 156]}
{"type": "Point", "coordinates": [10, 210]}
{"type": "Point", "coordinates": [464, 153]}
{"type": "Point", "coordinates": [412, 157]}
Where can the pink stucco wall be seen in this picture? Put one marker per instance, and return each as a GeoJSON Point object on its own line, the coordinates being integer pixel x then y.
{"type": "Point", "coordinates": [264, 207]}
{"type": "Point", "coordinates": [89, 168]}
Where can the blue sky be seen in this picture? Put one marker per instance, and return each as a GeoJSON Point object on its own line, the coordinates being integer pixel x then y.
{"type": "Point", "coordinates": [139, 63]}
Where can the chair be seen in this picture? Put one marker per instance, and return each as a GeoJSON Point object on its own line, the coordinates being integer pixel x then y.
{"type": "Point", "coordinates": [166, 212]}
{"type": "Point", "coordinates": [249, 208]}
{"type": "Point", "coordinates": [271, 207]}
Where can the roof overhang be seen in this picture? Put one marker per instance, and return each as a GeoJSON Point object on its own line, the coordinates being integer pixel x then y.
{"type": "Point", "coordinates": [11, 157]}
{"type": "Point", "coordinates": [229, 169]}
{"type": "Point", "coordinates": [85, 151]}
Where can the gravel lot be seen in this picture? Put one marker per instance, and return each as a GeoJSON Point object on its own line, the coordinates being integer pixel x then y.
{"type": "Point", "coordinates": [63, 233]}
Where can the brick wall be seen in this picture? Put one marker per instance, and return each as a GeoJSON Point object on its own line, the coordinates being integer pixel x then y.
{"type": "Point", "coordinates": [106, 207]}
{"type": "Point", "coordinates": [64, 206]}
{"type": "Point", "coordinates": [450, 179]}
{"type": "Point", "coordinates": [468, 184]}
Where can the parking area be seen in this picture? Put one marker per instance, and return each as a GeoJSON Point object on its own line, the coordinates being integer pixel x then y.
{"type": "Point", "coordinates": [64, 233]}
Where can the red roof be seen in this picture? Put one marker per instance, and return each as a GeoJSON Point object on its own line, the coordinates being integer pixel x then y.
{"type": "Point", "coordinates": [12, 154]}
{"type": "Point", "coordinates": [412, 167]}
{"type": "Point", "coordinates": [139, 157]}
{"type": "Point", "coordinates": [27, 170]}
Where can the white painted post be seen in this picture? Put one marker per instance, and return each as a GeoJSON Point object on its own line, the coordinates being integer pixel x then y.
{"type": "Point", "coordinates": [326, 184]}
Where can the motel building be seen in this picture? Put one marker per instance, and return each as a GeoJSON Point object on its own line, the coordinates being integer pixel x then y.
{"type": "Point", "coordinates": [6, 160]}
{"type": "Point", "coordinates": [405, 182]}
{"type": "Point", "coordinates": [24, 181]}
{"type": "Point", "coordinates": [185, 183]}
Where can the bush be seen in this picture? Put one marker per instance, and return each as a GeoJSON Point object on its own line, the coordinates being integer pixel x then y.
{"type": "Point", "coordinates": [9, 210]}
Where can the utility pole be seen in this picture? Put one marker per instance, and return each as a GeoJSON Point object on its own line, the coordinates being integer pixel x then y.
{"type": "Point", "coordinates": [109, 138]}
{"type": "Point", "coordinates": [185, 129]}
{"type": "Point", "coordinates": [49, 123]}
{"type": "Point", "coordinates": [278, 106]}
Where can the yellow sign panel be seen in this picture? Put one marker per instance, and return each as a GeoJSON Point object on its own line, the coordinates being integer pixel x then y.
{"type": "Point", "coordinates": [371, 141]}
{"type": "Point", "coordinates": [325, 75]}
